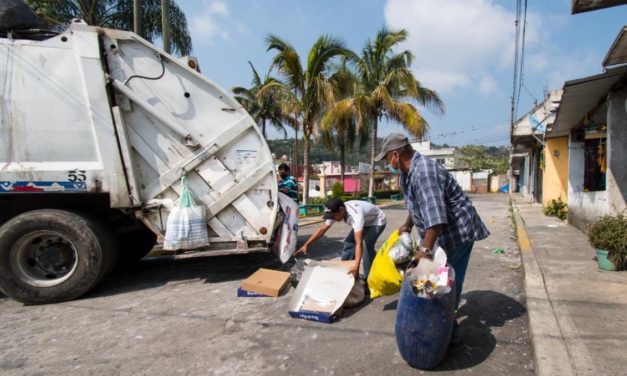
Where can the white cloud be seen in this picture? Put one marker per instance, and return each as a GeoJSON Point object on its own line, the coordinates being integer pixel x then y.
{"type": "Point", "coordinates": [206, 24]}
{"type": "Point", "coordinates": [487, 85]}
{"type": "Point", "coordinates": [218, 7]}
{"type": "Point", "coordinates": [457, 43]}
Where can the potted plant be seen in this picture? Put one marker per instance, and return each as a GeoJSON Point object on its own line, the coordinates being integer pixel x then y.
{"type": "Point", "coordinates": [609, 236]}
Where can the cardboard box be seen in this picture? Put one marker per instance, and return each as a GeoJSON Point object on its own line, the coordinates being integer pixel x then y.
{"type": "Point", "coordinates": [321, 292]}
{"type": "Point", "coordinates": [267, 282]}
{"type": "Point", "coordinates": [241, 293]}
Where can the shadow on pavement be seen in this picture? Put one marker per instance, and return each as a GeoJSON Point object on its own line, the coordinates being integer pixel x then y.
{"type": "Point", "coordinates": [483, 310]}
{"type": "Point", "coordinates": [157, 271]}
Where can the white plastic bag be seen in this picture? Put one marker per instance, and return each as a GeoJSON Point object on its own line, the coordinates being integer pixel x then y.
{"type": "Point", "coordinates": [186, 227]}
{"type": "Point", "coordinates": [403, 250]}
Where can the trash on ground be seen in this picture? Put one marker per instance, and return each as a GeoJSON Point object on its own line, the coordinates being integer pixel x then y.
{"type": "Point", "coordinates": [321, 292]}
{"type": "Point", "coordinates": [357, 294]}
{"type": "Point", "coordinates": [266, 282]}
{"type": "Point", "coordinates": [297, 270]}
{"type": "Point", "coordinates": [498, 251]}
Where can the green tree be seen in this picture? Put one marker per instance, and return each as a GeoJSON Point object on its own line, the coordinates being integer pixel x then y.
{"type": "Point", "coordinates": [307, 90]}
{"type": "Point", "coordinates": [265, 107]}
{"type": "Point", "coordinates": [476, 158]}
{"type": "Point", "coordinates": [387, 89]}
{"type": "Point", "coordinates": [341, 132]}
{"type": "Point", "coordinates": [118, 14]}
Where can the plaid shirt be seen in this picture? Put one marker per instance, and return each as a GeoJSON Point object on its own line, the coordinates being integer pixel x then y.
{"type": "Point", "coordinates": [433, 197]}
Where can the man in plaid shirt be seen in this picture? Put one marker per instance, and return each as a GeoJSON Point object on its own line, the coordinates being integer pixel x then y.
{"type": "Point", "coordinates": [440, 210]}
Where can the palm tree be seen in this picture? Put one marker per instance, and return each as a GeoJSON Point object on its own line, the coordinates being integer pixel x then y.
{"type": "Point", "coordinates": [341, 132]}
{"type": "Point", "coordinates": [118, 14]}
{"type": "Point", "coordinates": [387, 85]}
{"type": "Point", "coordinates": [265, 107]}
{"type": "Point", "coordinates": [307, 90]}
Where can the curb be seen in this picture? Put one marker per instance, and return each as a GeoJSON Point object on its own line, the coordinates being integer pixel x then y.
{"type": "Point", "coordinates": [551, 354]}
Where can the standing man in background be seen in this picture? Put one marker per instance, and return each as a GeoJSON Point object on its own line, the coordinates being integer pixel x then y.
{"type": "Point", "coordinates": [287, 184]}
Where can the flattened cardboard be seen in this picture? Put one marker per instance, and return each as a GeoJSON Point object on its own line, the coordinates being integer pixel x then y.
{"type": "Point", "coordinates": [321, 292]}
{"type": "Point", "coordinates": [346, 264]}
{"type": "Point", "coordinates": [267, 282]}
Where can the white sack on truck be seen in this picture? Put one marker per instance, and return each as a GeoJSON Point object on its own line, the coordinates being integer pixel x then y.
{"type": "Point", "coordinates": [186, 227]}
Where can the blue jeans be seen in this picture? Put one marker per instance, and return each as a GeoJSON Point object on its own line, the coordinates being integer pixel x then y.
{"type": "Point", "coordinates": [370, 236]}
{"type": "Point", "coordinates": [458, 258]}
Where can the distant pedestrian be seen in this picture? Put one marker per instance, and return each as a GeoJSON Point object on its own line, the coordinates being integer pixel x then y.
{"type": "Point", "coordinates": [437, 206]}
{"type": "Point", "coordinates": [367, 222]}
{"type": "Point", "coordinates": [287, 184]}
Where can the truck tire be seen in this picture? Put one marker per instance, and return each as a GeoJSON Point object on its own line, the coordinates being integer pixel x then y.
{"type": "Point", "coordinates": [134, 245]}
{"type": "Point", "coordinates": [49, 255]}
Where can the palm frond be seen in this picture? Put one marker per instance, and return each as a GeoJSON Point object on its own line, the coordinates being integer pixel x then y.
{"type": "Point", "coordinates": [409, 117]}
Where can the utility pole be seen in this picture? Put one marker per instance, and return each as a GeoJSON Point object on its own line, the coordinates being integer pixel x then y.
{"type": "Point", "coordinates": [137, 20]}
{"type": "Point", "coordinates": [165, 25]}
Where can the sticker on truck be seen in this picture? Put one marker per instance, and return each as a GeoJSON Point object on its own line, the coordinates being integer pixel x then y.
{"type": "Point", "coordinates": [42, 186]}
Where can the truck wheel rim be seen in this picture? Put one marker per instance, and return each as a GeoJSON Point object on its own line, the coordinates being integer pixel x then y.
{"type": "Point", "coordinates": [44, 258]}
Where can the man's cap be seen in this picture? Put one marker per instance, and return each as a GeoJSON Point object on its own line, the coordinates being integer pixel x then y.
{"type": "Point", "coordinates": [393, 141]}
{"type": "Point", "coordinates": [331, 207]}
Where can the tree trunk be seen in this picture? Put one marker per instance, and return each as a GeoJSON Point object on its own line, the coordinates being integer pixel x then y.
{"type": "Point", "coordinates": [342, 164]}
{"type": "Point", "coordinates": [373, 153]}
{"type": "Point", "coordinates": [295, 158]}
{"type": "Point", "coordinates": [263, 128]}
{"type": "Point", "coordinates": [165, 25]}
{"type": "Point", "coordinates": [305, 167]}
{"type": "Point", "coordinates": [137, 17]}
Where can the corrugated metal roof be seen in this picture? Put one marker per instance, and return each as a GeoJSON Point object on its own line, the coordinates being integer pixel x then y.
{"type": "Point", "coordinates": [580, 6]}
{"type": "Point", "coordinates": [580, 96]}
{"type": "Point", "coordinates": [618, 52]}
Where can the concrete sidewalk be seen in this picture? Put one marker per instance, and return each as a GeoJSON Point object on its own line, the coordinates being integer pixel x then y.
{"type": "Point", "coordinates": [577, 312]}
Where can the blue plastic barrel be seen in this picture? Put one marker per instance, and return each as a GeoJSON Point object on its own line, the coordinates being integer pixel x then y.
{"type": "Point", "coordinates": [424, 326]}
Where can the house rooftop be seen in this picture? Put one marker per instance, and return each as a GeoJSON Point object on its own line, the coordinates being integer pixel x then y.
{"type": "Point", "coordinates": [580, 6]}
{"type": "Point", "coordinates": [580, 96]}
{"type": "Point", "coordinates": [618, 52]}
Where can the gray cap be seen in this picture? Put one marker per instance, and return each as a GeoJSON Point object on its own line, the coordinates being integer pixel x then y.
{"type": "Point", "coordinates": [393, 141]}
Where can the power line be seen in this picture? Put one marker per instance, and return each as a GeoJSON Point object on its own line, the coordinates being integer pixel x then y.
{"type": "Point", "coordinates": [516, 49]}
{"type": "Point", "coordinates": [521, 73]}
{"type": "Point", "coordinates": [472, 131]}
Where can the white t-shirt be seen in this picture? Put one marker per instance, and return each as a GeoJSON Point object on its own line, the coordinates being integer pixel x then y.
{"type": "Point", "coordinates": [360, 214]}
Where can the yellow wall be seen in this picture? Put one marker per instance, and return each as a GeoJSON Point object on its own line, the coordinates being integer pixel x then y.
{"type": "Point", "coordinates": [555, 176]}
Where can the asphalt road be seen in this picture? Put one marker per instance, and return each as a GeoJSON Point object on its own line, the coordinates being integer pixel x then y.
{"type": "Point", "coordinates": [182, 317]}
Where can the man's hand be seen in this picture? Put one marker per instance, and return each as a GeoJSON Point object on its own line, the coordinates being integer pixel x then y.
{"type": "Point", "coordinates": [404, 228]}
{"type": "Point", "coordinates": [284, 190]}
{"type": "Point", "coordinates": [354, 270]}
{"type": "Point", "coordinates": [407, 226]}
{"type": "Point", "coordinates": [302, 250]}
{"type": "Point", "coordinates": [421, 254]}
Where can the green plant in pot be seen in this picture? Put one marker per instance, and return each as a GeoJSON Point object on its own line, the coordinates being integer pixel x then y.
{"type": "Point", "coordinates": [609, 236]}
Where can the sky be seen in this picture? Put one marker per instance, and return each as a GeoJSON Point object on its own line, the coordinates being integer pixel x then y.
{"type": "Point", "coordinates": [464, 49]}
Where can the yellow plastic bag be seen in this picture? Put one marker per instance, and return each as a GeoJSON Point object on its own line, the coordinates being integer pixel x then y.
{"type": "Point", "coordinates": [384, 278]}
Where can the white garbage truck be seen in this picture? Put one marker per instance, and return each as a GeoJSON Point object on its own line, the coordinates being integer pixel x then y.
{"type": "Point", "coordinates": [97, 128]}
